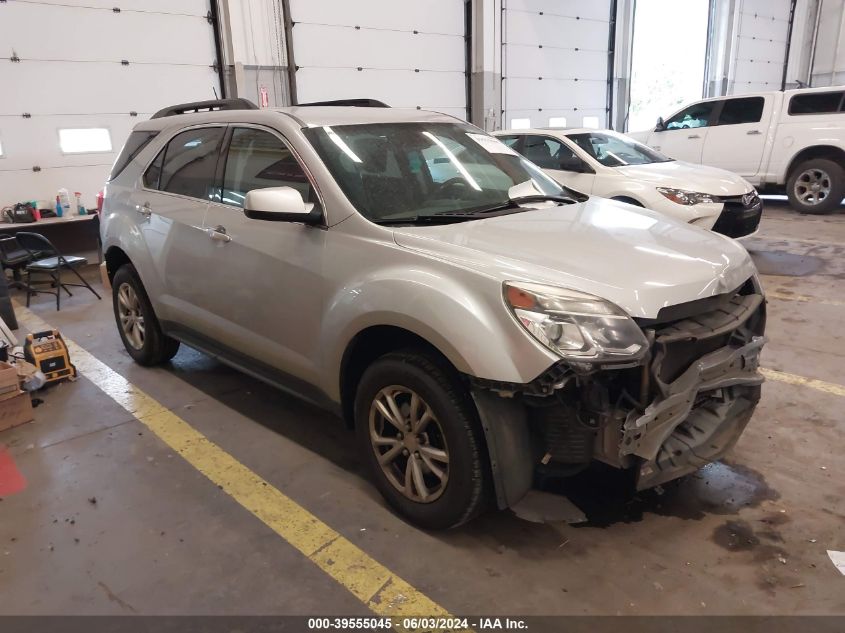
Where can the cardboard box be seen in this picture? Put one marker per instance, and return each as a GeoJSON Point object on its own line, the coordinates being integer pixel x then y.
{"type": "Point", "coordinates": [15, 411]}
{"type": "Point", "coordinates": [9, 381]}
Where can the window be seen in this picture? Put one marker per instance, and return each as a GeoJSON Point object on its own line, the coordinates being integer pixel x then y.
{"type": "Point", "coordinates": [86, 140]}
{"type": "Point", "coordinates": [510, 141]}
{"type": "Point", "coordinates": [557, 121]}
{"type": "Point", "coordinates": [746, 110]}
{"type": "Point", "coordinates": [520, 124]}
{"type": "Point", "coordinates": [257, 160]}
{"type": "Point", "coordinates": [134, 144]}
{"type": "Point", "coordinates": [1, 149]}
{"type": "Point", "coordinates": [817, 103]}
{"type": "Point", "coordinates": [187, 164]}
{"type": "Point", "coordinates": [615, 150]}
{"type": "Point", "coordinates": [543, 151]}
{"type": "Point", "coordinates": [590, 121]}
{"type": "Point", "coordinates": [697, 115]}
{"type": "Point", "coordinates": [390, 178]}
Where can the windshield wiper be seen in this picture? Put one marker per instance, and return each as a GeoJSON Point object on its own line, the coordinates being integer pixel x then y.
{"type": "Point", "coordinates": [514, 203]}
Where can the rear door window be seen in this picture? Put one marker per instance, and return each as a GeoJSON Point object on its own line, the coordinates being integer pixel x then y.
{"type": "Point", "coordinates": [258, 159]}
{"type": "Point", "coordinates": [817, 103]}
{"type": "Point", "coordinates": [745, 110]}
{"type": "Point", "coordinates": [188, 163]}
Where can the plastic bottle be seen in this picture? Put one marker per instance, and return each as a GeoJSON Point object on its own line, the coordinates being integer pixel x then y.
{"type": "Point", "coordinates": [80, 210]}
{"type": "Point", "coordinates": [58, 207]}
{"type": "Point", "coordinates": [64, 198]}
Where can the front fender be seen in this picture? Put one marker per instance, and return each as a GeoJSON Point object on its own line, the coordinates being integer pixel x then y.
{"type": "Point", "coordinates": [462, 314]}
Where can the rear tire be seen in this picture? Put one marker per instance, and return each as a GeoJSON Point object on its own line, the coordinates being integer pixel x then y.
{"type": "Point", "coordinates": [816, 186]}
{"type": "Point", "coordinates": [136, 321]}
{"type": "Point", "coordinates": [456, 489]}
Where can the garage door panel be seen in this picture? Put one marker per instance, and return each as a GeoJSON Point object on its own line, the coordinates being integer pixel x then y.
{"type": "Point", "coordinates": [427, 90]}
{"type": "Point", "coordinates": [758, 50]}
{"type": "Point", "coordinates": [525, 94]}
{"type": "Point", "coordinates": [560, 63]}
{"type": "Point", "coordinates": [141, 88]}
{"type": "Point", "coordinates": [111, 42]}
{"type": "Point", "coordinates": [598, 10]}
{"type": "Point", "coordinates": [525, 28]}
{"type": "Point", "coordinates": [432, 16]}
{"type": "Point", "coordinates": [191, 7]}
{"type": "Point", "coordinates": [367, 49]}
{"type": "Point", "coordinates": [761, 45]}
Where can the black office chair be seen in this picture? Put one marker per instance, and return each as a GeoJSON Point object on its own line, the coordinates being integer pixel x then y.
{"type": "Point", "coordinates": [14, 257]}
{"type": "Point", "coordinates": [46, 259]}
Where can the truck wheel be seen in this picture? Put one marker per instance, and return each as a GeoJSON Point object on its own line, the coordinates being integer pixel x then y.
{"type": "Point", "coordinates": [137, 323]}
{"type": "Point", "coordinates": [816, 186]}
{"type": "Point", "coordinates": [420, 440]}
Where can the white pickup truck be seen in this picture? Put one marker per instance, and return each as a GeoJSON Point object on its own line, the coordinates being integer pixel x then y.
{"type": "Point", "coordinates": [792, 141]}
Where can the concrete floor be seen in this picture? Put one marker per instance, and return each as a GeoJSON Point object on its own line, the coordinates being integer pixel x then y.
{"type": "Point", "coordinates": [747, 536]}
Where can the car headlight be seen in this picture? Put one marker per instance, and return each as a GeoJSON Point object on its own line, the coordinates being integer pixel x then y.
{"type": "Point", "coordinates": [680, 196]}
{"type": "Point", "coordinates": [576, 325]}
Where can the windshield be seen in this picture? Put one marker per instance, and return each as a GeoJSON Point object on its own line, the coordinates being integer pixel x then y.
{"type": "Point", "coordinates": [394, 172]}
{"type": "Point", "coordinates": [613, 150]}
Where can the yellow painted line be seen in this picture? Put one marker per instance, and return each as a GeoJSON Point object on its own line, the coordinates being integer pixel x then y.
{"type": "Point", "coordinates": [785, 296]}
{"type": "Point", "coordinates": [812, 383]}
{"type": "Point", "coordinates": [381, 590]}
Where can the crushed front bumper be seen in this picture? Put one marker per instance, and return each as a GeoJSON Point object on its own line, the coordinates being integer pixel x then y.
{"type": "Point", "coordinates": [700, 416]}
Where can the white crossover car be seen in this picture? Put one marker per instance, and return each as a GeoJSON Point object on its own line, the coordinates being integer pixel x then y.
{"type": "Point", "coordinates": [611, 165]}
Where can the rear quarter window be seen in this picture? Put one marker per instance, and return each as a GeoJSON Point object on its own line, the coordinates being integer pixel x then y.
{"type": "Point", "coordinates": [817, 103]}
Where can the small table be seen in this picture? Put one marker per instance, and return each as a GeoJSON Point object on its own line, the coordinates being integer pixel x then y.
{"type": "Point", "coordinates": [75, 234]}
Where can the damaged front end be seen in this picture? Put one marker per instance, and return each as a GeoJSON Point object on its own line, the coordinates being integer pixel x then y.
{"type": "Point", "coordinates": [680, 406]}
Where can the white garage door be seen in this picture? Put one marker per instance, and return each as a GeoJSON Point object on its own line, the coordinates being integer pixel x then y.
{"type": "Point", "coordinates": [556, 63]}
{"type": "Point", "coordinates": [761, 45]}
{"type": "Point", "coordinates": [409, 57]}
{"type": "Point", "coordinates": [87, 65]}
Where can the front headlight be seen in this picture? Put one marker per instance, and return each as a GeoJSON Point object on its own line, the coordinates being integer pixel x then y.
{"type": "Point", "coordinates": [686, 198]}
{"type": "Point", "coordinates": [576, 325]}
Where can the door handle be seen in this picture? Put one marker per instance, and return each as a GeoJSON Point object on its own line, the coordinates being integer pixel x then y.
{"type": "Point", "coordinates": [693, 136]}
{"type": "Point", "coordinates": [750, 132]}
{"type": "Point", "coordinates": [144, 209]}
{"type": "Point", "coordinates": [218, 234]}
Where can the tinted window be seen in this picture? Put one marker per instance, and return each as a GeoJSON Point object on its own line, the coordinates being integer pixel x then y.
{"type": "Point", "coordinates": [510, 141]}
{"type": "Point", "coordinates": [190, 160]}
{"type": "Point", "coordinates": [697, 115]}
{"type": "Point", "coordinates": [816, 103]}
{"type": "Point", "coordinates": [134, 144]}
{"type": "Point", "coordinates": [257, 160]}
{"type": "Point", "coordinates": [747, 110]}
{"type": "Point", "coordinates": [153, 173]}
{"type": "Point", "coordinates": [544, 151]}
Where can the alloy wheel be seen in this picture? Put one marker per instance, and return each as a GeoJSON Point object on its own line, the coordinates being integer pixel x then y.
{"type": "Point", "coordinates": [812, 186]}
{"type": "Point", "coordinates": [409, 444]}
{"type": "Point", "coordinates": [131, 318]}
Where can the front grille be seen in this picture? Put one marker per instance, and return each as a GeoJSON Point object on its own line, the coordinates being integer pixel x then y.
{"type": "Point", "coordinates": [740, 216]}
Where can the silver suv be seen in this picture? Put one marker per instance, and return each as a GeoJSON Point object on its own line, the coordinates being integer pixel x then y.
{"type": "Point", "coordinates": [476, 324]}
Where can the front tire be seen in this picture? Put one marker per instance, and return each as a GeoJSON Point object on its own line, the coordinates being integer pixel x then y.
{"type": "Point", "coordinates": [136, 321]}
{"type": "Point", "coordinates": [419, 437]}
{"type": "Point", "coordinates": [816, 186]}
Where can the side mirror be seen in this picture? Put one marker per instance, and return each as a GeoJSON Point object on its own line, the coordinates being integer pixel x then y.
{"type": "Point", "coordinates": [280, 204]}
{"type": "Point", "coordinates": [660, 125]}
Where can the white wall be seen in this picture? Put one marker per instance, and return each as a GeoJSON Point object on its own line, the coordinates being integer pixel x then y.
{"type": "Point", "coordinates": [829, 59]}
{"type": "Point", "coordinates": [70, 75]}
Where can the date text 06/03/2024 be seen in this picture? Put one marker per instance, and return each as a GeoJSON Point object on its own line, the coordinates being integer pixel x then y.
{"type": "Point", "coordinates": [418, 625]}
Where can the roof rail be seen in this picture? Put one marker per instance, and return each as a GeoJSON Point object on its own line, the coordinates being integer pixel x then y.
{"type": "Point", "coordinates": [212, 105]}
{"type": "Point", "coordinates": [358, 103]}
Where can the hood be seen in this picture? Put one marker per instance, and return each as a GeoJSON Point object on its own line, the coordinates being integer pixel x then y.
{"type": "Point", "coordinates": [640, 260]}
{"type": "Point", "coordinates": [681, 175]}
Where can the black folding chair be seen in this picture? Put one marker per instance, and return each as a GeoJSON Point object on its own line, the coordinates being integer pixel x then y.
{"type": "Point", "coordinates": [13, 257]}
{"type": "Point", "coordinates": [47, 260]}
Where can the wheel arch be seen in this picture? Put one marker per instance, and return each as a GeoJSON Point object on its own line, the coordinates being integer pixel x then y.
{"type": "Point", "coordinates": [830, 152]}
{"type": "Point", "coordinates": [115, 257]}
